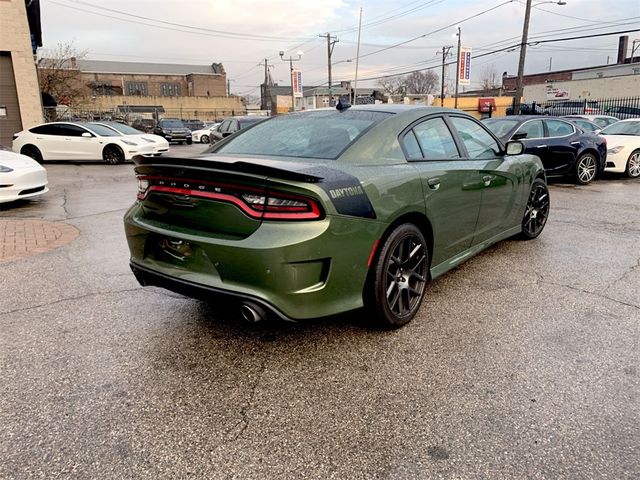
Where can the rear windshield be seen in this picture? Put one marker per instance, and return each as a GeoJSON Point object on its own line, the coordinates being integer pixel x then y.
{"type": "Point", "coordinates": [321, 134]}
{"type": "Point", "coordinates": [622, 128]}
{"type": "Point", "coordinates": [500, 127]}
{"type": "Point", "coordinates": [171, 124]}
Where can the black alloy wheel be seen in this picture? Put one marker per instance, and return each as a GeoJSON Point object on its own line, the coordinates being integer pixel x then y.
{"type": "Point", "coordinates": [33, 152]}
{"type": "Point", "coordinates": [113, 155]}
{"type": "Point", "coordinates": [204, 139]}
{"type": "Point", "coordinates": [633, 165]}
{"type": "Point", "coordinates": [399, 277]}
{"type": "Point", "coordinates": [537, 211]}
{"type": "Point", "coordinates": [586, 168]}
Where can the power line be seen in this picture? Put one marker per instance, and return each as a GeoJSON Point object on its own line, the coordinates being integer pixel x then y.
{"type": "Point", "coordinates": [434, 31]}
{"type": "Point", "coordinates": [504, 49]}
{"type": "Point", "coordinates": [193, 29]}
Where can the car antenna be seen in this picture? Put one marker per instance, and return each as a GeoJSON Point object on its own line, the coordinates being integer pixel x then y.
{"type": "Point", "coordinates": [342, 105]}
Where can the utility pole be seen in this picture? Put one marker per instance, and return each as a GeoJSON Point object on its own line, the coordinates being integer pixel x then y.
{"type": "Point", "coordinates": [523, 51]}
{"type": "Point", "coordinates": [459, 34]}
{"type": "Point", "coordinates": [355, 84]}
{"type": "Point", "coordinates": [291, 60]}
{"type": "Point", "coordinates": [331, 42]}
{"type": "Point", "coordinates": [445, 54]}
{"type": "Point", "coordinates": [264, 104]}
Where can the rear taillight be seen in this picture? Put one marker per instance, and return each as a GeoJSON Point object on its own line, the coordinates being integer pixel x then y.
{"type": "Point", "coordinates": [255, 202]}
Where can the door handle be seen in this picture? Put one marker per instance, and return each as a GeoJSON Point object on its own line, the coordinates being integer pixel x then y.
{"type": "Point", "coordinates": [487, 180]}
{"type": "Point", "coordinates": [575, 143]}
{"type": "Point", "coordinates": [541, 146]}
{"type": "Point", "coordinates": [434, 183]}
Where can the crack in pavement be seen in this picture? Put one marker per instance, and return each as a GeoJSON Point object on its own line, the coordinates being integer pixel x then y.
{"type": "Point", "coordinates": [628, 272]}
{"type": "Point", "coordinates": [97, 214]}
{"type": "Point", "coordinates": [541, 279]}
{"type": "Point", "coordinates": [243, 423]}
{"type": "Point", "coordinates": [64, 203]}
{"type": "Point", "coordinates": [61, 300]}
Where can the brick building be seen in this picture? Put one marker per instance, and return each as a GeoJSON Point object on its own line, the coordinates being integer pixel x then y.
{"type": "Point", "coordinates": [152, 79]}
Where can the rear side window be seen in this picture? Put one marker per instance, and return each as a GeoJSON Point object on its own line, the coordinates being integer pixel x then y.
{"type": "Point", "coordinates": [51, 129]}
{"type": "Point", "coordinates": [320, 134]}
{"type": "Point", "coordinates": [478, 142]}
{"type": "Point", "coordinates": [436, 140]}
{"type": "Point", "coordinates": [411, 146]}
{"type": "Point", "coordinates": [558, 128]}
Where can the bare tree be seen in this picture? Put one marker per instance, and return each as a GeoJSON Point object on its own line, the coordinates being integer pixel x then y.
{"type": "Point", "coordinates": [490, 79]}
{"type": "Point", "coordinates": [59, 75]}
{"type": "Point", "coordinates": [393, 85]}
{"type": "Point", "coordinates": [422, 82]}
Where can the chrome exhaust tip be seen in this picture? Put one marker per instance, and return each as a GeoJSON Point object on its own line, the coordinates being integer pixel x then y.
{"type": "Point", "coordinates": [252, 313]}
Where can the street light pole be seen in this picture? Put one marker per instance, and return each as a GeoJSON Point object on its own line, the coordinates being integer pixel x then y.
{"type": "Point", "coordinates": [291, 60]}
{"type": "Point", "coordinates": [523, 51]}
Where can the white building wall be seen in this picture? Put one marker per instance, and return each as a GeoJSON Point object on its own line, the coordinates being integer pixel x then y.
{"type": "Point", "coordinates": [612, 87]}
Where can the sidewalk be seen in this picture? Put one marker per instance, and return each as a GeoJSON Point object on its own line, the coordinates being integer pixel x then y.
{"type": "Point", "coordinates": [24, 237]}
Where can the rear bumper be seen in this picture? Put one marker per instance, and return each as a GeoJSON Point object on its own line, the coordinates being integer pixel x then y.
{"type": "Point", "coordinates": [147, 277]}
{"type": "Point", "coordinates": [298, 270]}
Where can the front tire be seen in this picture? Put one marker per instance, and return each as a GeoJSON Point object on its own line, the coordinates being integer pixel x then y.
{"type": "Point", "coordinates": [396, 285]}
{"type": "Point", "coordinates": [113, 155]}
{"type": "Point", "coordinates": [586, 168]}
{"type": "Point", "coordinates": [537, 210]}
{"type": "Point", "coordinates": [204, 139]}
{"type": "Point", "coordinates": [633, 165]}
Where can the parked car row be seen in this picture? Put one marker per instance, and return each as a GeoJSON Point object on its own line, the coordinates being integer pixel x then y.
{"type": "Point", "coordinates": [569, 147]}
{"type": "Point", "coordinates": [584, 107]}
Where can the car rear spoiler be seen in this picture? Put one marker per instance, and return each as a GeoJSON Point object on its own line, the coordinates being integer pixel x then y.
{"type": "Point", "coordinates": [299, 171]}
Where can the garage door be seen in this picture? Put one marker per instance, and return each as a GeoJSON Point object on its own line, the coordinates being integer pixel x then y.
{"type": "Point", "coordinates": [10, 122]}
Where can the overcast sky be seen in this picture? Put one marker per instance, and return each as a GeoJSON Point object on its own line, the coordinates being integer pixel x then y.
{"type": "Point", "coordinates": [241, 33]}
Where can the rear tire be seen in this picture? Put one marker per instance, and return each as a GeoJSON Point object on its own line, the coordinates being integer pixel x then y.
{"type": "Point", "coordinates": [633, 165]}
{"type": "Point", "coordinates": [189, 141]}
{"type": "Point", "coordinates": [113, 155]}
{"type": "Point", "coordinates": [32, 151]}
{"type": "Point", "coordinates": [586, 168]}
{"type": "Point", "coordinates": [204, 139]}
{"type": "Point", "coordinates": [537, 211]}
{"type": "Point", "coordinates": [396, 284]}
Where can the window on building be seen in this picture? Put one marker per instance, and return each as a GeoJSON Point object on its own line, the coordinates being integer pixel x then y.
{"type": "Point", "coordinates": [170, 89]}
{"type": "Point", "coordinates": [137, 88]}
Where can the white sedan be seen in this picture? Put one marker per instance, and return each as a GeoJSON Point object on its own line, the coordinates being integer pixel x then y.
{"type": "Point", "coordinates": [77, 141]}
{"type": "Point", "coordinates": [20, 177]}
{"type": "Point", "coordinates": [623, 147]}
{"type": "Point", "coordinates": [160, 145]}
{"type": "Point", "coordinates": [204, 135]}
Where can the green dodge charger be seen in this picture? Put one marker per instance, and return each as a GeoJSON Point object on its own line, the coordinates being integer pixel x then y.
{"type": "Point", "coordinates": [321, 212]}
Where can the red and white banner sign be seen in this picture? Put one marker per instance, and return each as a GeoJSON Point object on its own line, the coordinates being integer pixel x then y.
{"type": "Point", "coordinates": [296, 81]}
{"type": "Point", "coordinates": [464, 72]}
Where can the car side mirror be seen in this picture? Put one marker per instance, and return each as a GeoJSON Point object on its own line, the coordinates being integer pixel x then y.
{"type": "Point", "coordinates": [519, 136]}
{"type": "Point", "coordinates": [515, 148]}
{"type": "Point", "coordinates": [86, 135]}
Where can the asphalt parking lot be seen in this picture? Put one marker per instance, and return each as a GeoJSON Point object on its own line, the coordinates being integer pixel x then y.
{"type": "Point", "coordinates": [522, 363]}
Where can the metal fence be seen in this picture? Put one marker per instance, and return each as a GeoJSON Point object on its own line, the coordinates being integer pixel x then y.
{"type": "Point", "coordinates": [80, 114]}
{"type": "Point", "coordinates": [621, 107]}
